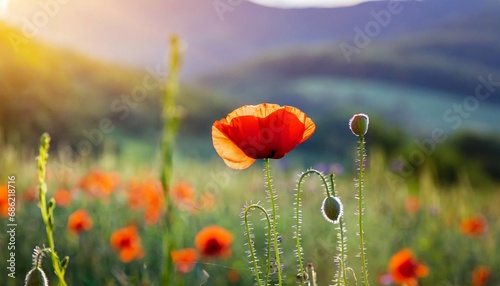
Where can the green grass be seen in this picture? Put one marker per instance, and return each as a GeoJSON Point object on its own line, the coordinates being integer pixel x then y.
{"type": "Point", "coordinates": [433, 233]}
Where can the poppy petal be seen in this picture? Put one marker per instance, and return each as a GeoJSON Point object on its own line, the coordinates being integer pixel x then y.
{"type": "Point", "coordinates": [421, 270]}
{"type": "Point", "coordinates": [232, 155]}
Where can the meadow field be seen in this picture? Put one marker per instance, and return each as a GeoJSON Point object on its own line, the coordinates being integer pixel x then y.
{"type": "Point", "coordinates": [398, 214]}
{"type": "Point", "coordinates": [250, 156]}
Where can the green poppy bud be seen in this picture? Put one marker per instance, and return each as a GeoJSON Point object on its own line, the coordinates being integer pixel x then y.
{"type": "Point", "coordinates": [332, 209]}
{"type": "Point", "coordinates": [36, 277]}
{"type": "Point", "coordinates": [359, 124]}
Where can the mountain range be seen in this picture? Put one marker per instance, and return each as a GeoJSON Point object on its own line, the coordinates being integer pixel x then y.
{"type": "Point", "coordinates": [134, 33]}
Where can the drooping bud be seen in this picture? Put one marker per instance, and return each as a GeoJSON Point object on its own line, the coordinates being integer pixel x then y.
{"type": "Point", "coordinates": [332, 209]}
{"type": "Point", "coordinates": [359, 124]}
{"type": "Point", "coordinates": [36, 277]}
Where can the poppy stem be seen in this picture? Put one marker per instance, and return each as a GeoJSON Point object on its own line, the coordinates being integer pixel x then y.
{"type": "Point", "coordinates": [298, 218]}
{"type": "Point", "coordinates": [342, 260]}
{"type": "Point", "coordinates": [46, 210]}
{"type": "Point", "coordinates": [274, 221]}
{"type": "Point", "coordinates": [251, 244]}
{"type": "Point", "coordinates": [361, 159]}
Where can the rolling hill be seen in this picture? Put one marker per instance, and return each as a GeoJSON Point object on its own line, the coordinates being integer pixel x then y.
{"type": "Point", "coordinates": [129, 32]}
{"type": "Point", "coordinates": [69, 95]}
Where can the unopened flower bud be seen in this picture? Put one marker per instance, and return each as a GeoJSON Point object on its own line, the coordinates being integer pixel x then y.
{"type": "Point", "coordinates": [359, 124]}
{"type": "Point", "coordinates": [36, 277]}
{"type": "Point", "coordinates": [332, 209]}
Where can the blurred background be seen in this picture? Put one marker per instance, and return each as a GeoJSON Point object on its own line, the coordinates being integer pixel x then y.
{"type": "Point", "coordinates": [413, 67]}
{"type": "Point", "coordinates": [427, 73]}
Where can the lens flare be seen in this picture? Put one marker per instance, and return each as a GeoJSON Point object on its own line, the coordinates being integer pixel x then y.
{"type": "Point", "coordinates": [4, 7]}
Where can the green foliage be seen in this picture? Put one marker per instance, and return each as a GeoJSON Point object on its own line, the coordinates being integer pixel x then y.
{"type": "Point", "coordinates": [473, 154]}
{"type": "Point", "coordinates": [433, 232]}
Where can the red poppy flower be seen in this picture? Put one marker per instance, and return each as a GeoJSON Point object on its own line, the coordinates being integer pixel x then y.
{"type": "Point", "coordinates": [30, 194]}
{"type": "Point", "coordinates": [214, 241]}
{"type": "Point", "coordinates": [62, 197]}
{"type": "Point", "coordinates": [260, 131]}
{"type": "Point", "coordinates": [207, 201]}
{"type": "Point", "coordinates": [4, 201]}
{"type": "Point", "coordinates": [183, 195]}
{"type": "Point", "coordinates": [99, 184]}
{"type": "Point", "coordinates": [185, 259]}
{"type": "Point", "coordinates": [148, 196]}
{"type": "Point", "coordinates": [233, 275]}
{"type": "Point", "coordinates": [474, 226]}
{"type": "Point", "coordinates": [412, 205]}
{"type": "Point", "coordinates": [405, 269]}
{"type": "Point", "coordinates": [128, 242]}
{"type": "Point", "coordinates": [480, 276]}
{"type": "Point", "coordinates": [79, 221]}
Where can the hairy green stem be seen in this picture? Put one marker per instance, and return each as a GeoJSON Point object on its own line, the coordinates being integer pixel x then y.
{"type": "Point", "coordinates": [250, 244]}
{"type": "Point", "coordinates": [274, 221]}
{"type": "Point", "coordinates": [361, 153]}
{"type": "Point", "coordinates": [343, 247]}
{"type": "Point", "coordinates": [297, 215]}
{"type": "Point", "coordinates": [47, 216]}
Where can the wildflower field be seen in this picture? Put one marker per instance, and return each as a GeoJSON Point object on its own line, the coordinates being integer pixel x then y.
{"type": "Point", "coordinates": [110, 175]}
{"type": "Point", "coordinates": [100, 199]}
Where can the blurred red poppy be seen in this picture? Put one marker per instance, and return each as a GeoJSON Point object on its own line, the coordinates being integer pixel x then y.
{"type": "Point", "coordinates": [185, 259]}
{"type": "Point", "coordinates": [183, 195]}
{"type": "Point", "coordinates": [474, 226]}
{"type": "Point", "coordinates": [62, 197]}
{"type": "Point", "coordinates": [79, 221]}
{"type": "Point", "coordinates": [412, 205]}
{"type": "Point", "coordinates": [405, 269]}
{"type": "Point", "coordinates": [233, 275]}
{"type": "Point", "coordinates": [149, 196]}
{"type": "Point", "coordinates": [480, 276]}
{"type": "Point", "coordinates": [4, 201]}
{"type": "Point", "coordinates": [98, 183]}
{"type": "Point", "coordinates": [259, 131]}
{"type": "Point", "coordinates": [128, 242]}
{"type": "Point", "coordinates": [30, 194]}
{"type": "Point", "coordinates": [214, 241]}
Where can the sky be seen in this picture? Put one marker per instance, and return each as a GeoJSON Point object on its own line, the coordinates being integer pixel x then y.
{"type": "Point", "coordinates": [308, 3]}
{"type": "Point", "coordinates": [277, 3]}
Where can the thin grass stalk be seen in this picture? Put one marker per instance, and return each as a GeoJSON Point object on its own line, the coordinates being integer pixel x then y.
{"type": "Point", "coordinates": [170, 121]}
{"type": "Point", "coordinates": [46, 211]}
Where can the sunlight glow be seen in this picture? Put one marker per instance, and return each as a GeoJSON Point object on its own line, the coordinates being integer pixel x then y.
{"type": "Point", "coordinates": [4, 6]}
{"type": "Point", "coordinates": [308, 3]}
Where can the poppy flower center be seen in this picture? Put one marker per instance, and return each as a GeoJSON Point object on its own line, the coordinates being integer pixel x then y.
{"type": "Point", "coordinates": [79, 226]}
{"type": "Point", "coordinates": [125, 242]}
{"type": "Point", "coordinates": [407, 268]}
{"type": "Point", "coordinates": [213, 247]}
